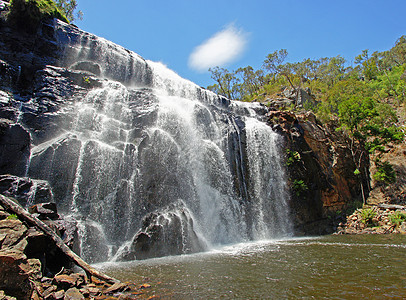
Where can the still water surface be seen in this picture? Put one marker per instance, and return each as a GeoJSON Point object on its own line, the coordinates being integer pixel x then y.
{"type": "Point", "coordinates": [331, 267]}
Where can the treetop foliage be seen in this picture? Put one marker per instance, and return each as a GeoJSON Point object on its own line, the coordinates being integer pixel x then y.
{"type": "Point", "coordinates": [362, 97]}
{"type": "Point", "coordinates": [359, 95]}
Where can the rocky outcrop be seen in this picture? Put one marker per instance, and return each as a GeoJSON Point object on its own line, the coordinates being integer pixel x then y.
{"type": "Point", "coordinates": [26, 190]}
{"type": "Point", "coordinates": [291, 98]}
{"type": "Point", "coordinates": [166, 232]}
{"type": "Point", "coordinates": [321, 167]}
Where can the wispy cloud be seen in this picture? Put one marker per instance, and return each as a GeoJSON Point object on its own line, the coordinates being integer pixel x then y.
{"type": "Point", "coordinates": [222, 48]}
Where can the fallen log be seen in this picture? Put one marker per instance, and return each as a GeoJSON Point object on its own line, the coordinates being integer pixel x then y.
{"type": "Point", "coordinates": [391, 206]}
{"type": "Point", "coordinates": [24, 215]}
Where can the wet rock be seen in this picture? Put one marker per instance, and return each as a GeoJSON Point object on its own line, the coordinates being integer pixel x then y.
{"type": "Point", "coordinates": [45, 211]}
{"type": "Point", "coordinates": [14, 148]}
{"type": "Point", "coordinates": [88, 66]}
{"type": "Point", "coordinates": [57, 164]}
{"type": "Point", "coordinates": [166, 232]}
{"type": "Point", "coordinates": [93, 250]}
{"type": "Point", "coordinates": [25, 190]}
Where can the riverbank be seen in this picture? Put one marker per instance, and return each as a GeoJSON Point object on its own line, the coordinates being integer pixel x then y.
{"type": "Point", "coordinates": [375, 219]}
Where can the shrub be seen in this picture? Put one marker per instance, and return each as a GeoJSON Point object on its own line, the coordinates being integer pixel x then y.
{"type": "Point", "coordinates": [292, 157]}
{"type": "Point", "coordinates": [367, 214]}
{"type": "Point", "coordinates": [28, 14]}
{"type": "Point", "coordinates": [397, 218]}
{"type": "Point", "coordinates": [299, 186]}
{"type": "Point", "coordinates": [384, 173]}
{"type": "Point", "coordinates": [12, 217]}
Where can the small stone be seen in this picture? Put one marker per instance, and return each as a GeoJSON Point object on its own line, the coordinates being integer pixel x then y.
{"type": "Point", "coordinates": [85, 292]}
{"type": "Point", "coordinates": [49, 291]}
{"type": "Point", "coordinates": [402, 228]}
{"type": "Point", "coordinates": [94, 291]}
{"type": "Point", "coordinates": [145, 286]}
{"type": "Point", "coordinates": [64, 281]}
{"type": "Point", "coordinates": [73, 294]}
{"type": "Point", "coordinates": [117, 287]}
{"type": "Point", "coordinates": [59, 294]}
{"type": "Point", "coordinates": [34, 296]}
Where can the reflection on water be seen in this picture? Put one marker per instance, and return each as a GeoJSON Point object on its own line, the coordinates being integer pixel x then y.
{"type": "Point", "coordinates": [339, 267]}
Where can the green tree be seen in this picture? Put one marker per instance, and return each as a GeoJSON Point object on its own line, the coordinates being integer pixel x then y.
{"type": "Point", "coordinates": [368, 64]}
{"type": "Point", "coordinates": [227, 84]}
{"type": "Point", "coordinates": [274, 61]}
{"type": "Point", "coordinates": [68, 7]}
{"type": "Point", "coordinates": [251, 82]}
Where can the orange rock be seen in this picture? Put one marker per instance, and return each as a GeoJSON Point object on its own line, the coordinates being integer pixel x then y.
{"type": "Point", "coordinates": [145, 286]}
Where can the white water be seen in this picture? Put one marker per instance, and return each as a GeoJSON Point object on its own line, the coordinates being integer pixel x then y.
{"type": "Point", "coordinates": [147, 139]}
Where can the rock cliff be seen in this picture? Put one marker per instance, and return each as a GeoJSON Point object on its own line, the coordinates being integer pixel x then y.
{"type": "Point", "coordinates": [321, 167]}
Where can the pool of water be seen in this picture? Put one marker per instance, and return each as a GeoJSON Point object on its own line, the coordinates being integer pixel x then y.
{"type": "Point", "coordinates": [333, 267]}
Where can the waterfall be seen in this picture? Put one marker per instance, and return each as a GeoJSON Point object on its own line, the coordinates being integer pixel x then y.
{"type": "Point", "coordinates": [151, 159]}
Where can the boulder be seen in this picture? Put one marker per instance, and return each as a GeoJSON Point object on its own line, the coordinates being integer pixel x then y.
{"type": "Point", "coordinates": [15, 274]}
{"type": "Point", "coordinates": [168, 231]}
{"type": "Point", "coordinates": [44, 211]}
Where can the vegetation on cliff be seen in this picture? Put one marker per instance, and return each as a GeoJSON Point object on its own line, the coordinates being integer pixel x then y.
{"type": "Point", "coordinates": [365, 100]}
{"type": "Point", "coordinates": [27, 14]}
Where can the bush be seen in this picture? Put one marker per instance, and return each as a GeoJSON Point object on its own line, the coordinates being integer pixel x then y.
{"type": "Point", "coordinates": [12, 217]}
{"type": "Point", "coordinates": [28, 14]}
{"type": "Point", "coordinates": [292, 157]}
{"type": "Point", "coordinates": [299, 186]}
{"type": "Point", "coordinates": [397, 218]}
{"type": "Point", "coordinates": [367, 214]}
{"type": "Point", "coordinates": [384, 173]}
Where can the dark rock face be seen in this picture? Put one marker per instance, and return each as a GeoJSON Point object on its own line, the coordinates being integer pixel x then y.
{"type": "Point", "coordinates": [166, 232]}
{"type": "Point", "coordinates": [14, 148]}
{"type": "Point", "coordinates": [321, 169]}
{"type": "Point", "coordinates": [27, 191]}
{"type": "Point", "coordinates": [94, 243]}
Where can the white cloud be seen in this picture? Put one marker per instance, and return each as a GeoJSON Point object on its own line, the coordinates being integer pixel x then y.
{"type": "Point", "coordinates": [222, 48]}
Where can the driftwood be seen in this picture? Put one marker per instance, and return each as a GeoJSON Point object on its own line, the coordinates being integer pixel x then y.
{"type": "Point", "coordinates": [24, 215]}
{"type": "Point", "coordinates": [391, 206]}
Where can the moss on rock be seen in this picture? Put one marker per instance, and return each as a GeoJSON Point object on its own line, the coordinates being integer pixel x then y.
{"type": "Point", "coordinates": [27, 14]}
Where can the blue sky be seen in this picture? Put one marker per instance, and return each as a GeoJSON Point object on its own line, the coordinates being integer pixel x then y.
{"type": "Point", "coordinates": [239, 33]}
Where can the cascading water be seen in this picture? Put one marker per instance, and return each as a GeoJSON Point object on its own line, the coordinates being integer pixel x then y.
{"type": "Point", "coordinates": [148, 141]}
